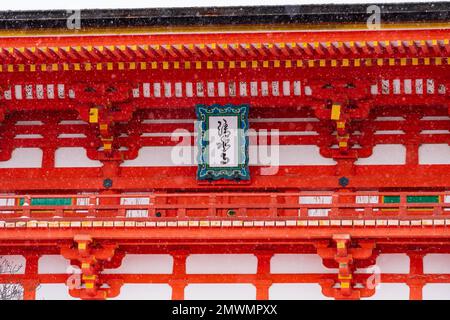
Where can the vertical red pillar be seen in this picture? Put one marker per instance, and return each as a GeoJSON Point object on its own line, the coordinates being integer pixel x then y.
{"type": "Point", "coordinates": [31, 282]}
{"type": "Point", "coordinates": [178, 289]}
{"type": "Point", "coordinates": [48, 157]}
{"type": "Point", "coordinates": [179, 281]}
{"type": "Point", "coordinates": [412, 144]}
{"type": "Point", "coordinates": [412, 153]}
{"type": "Point", "coordinates": [48, 151]}
{"type": "Point", "coordinates": [416, 281]}
{"type": "Point", "coordinates": [263, 280]}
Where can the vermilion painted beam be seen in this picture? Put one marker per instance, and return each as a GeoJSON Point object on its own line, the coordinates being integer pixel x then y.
{"type": "Point", "coordinates": [170, 178]}
{"type": "Point", "coordinates": [232, 236]}
{"type": "Point", "coordinates": [374, 72]}
{"type": "Point", "coordinates": [228, 278]}
{"type": "Point", "coordinates": [222, 37]}
{"type": "Point", "coordinates": [51, 247]}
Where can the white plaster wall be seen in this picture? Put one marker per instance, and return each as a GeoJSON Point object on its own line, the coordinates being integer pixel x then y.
{"type": "Point", "coordinates": [298, 263]}
{"type": "Point", "coordinates": [298, 155]}
{"type": "Point", "coordinates": [221, 263]}
{"type": "Point", "coordinates": [287, 155]}
{"type": "Point", "coordinates": [74, 158]}
{"type": "Point", "coordinates": [212, 291]}
{"type": "Point", "coordinates": [436, 291]}
{"type": "Point", "coordinates": [436, 263]}
{"type": "Point", "coordinates": [24, 158]}
{"type": "Point", "coordinates": [53, 291]}
{"type": "Point", "coordinates": [385, 154]}
{"type": "Point", "coordinates": [296, 291]}
{"type": "Point", "coordinates": [48, 264]}
{"type": "Point", "coordinates": [388, 263]}
{"type": "Point", "coordinates": [135, 291]}
{"type": "Point", "coordinates": [434, 154]}
{"type": "Point", "coordinates": [158, 156]}
{"type": "Point", "coordinates": [393, 263]}
{"type": "Point", "coordinates": [144, 264]}
{"type": "Point", "coordinates": [390, 291]}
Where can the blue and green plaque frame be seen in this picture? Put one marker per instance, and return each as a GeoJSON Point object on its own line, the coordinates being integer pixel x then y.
{"type": "Point", "coordinates": [239, 170]}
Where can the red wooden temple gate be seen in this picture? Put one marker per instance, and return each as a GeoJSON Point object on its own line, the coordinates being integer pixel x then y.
{"type": "Point", "coordinates": [326, 82]}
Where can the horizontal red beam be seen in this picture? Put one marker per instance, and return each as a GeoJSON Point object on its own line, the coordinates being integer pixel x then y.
{"type": "Point", "coordinates": [432, 177]}
{"type": "Point", "coordinates": [227, 278]}
{"type": "Point", "coordinates": [374, 72]}
{"type": "Point", "coordinates": [51, 247]}
{"type": "Point", "coordinates": [228, 37]}
{"type": "Point", "coordinates": [232, 236]}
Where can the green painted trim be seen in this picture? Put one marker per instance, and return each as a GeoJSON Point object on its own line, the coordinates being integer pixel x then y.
{"type": "Point", "coordinates": [48, 201]}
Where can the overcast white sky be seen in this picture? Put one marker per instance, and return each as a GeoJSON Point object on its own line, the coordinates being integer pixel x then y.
{"type": "Point", "coordinates": [103, 4]}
